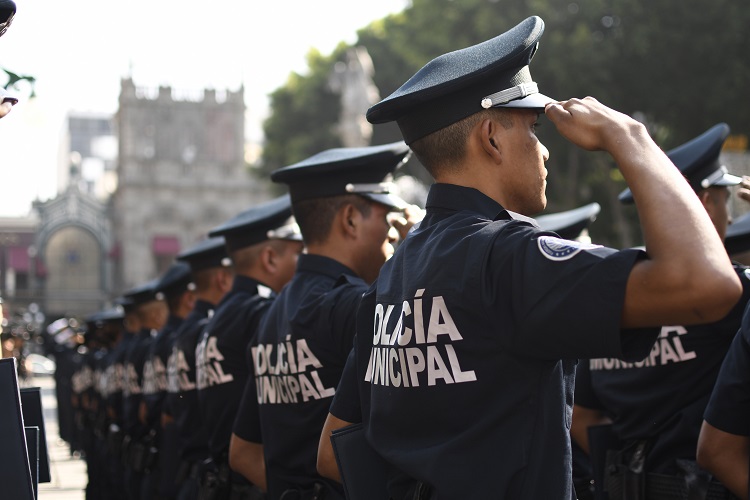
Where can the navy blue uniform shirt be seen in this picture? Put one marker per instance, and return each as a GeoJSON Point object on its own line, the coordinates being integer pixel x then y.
{"type": "Point", "coordinates": [298, 357]}
{"type": "Point", "coordinates": [467, 344]}
{"type": "Point", "coordinates": [115, 377]}
{"type": "Point", "coordinates": [641, 398]}
{"type": "Point", "coordinates": [155, 372]}
{"type": "Point", "coordinates": [182, 393]}
{"type": "Point", "coordinates": [132, 394]}
{"type": "Point", "coordinates": [729, 407]}
{"type": "Point", "coordinates": [221, 368]}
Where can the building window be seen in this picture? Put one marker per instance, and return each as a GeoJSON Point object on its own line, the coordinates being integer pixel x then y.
{"type": "Point", "coordinates": [165, 249]}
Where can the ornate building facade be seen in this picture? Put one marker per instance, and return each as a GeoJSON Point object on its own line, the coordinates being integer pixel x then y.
{"type": "Point", "coordinates": [180, 172]}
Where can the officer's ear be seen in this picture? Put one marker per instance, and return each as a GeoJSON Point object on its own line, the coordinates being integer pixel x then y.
{"type": "Point", "coordinates": [349, 220]}
{"type": "Point", "coordinates": [489, 139]}
{"type": "Point", "coordinates": [225, 278]}
{"type": "Point", "coordinates": [268, 258]}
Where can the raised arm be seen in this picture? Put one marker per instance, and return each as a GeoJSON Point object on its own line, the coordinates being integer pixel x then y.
{"type": "Point", "coordinates": [687, 277]}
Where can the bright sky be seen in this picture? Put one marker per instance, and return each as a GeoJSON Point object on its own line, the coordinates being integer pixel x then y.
{"type": "Point", "coordinates": [79, 49]}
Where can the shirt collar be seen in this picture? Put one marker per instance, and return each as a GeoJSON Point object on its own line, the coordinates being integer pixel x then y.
{"type": "Point", "coordinates": [322, 265]}
{"type": "Point", "coordinates": [246, 283]}
{"type": "Point", "coordinates": [457, 198]}
{"type": "Point", "coordinates": [454, 198]}
{"type": "Point", "coordinates": [203, 306]}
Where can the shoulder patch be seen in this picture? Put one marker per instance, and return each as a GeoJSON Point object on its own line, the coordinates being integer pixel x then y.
{"type": "Point", "coordinates": [559, 249]}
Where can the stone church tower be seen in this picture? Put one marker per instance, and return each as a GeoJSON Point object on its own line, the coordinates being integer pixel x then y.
{"type": "Point", "coordinates": [181, 171]}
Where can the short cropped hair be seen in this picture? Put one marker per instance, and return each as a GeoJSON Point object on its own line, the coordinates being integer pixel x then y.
{"type": "Point", "coordinates": [440, 151]}
{"type": "Point", "coordinates": [244, 259]}
{"type": "Point", "coordinates": [315, 216]}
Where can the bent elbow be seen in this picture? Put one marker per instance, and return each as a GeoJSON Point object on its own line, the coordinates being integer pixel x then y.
{"type": "Point", "coordinates": [719, 298]}
{"type": "Point", "coordinates": [327, 467]}
{"type": "Point", "coordinates": [234, 463]}
{"type": "Point", "coordinates": [705, 457]}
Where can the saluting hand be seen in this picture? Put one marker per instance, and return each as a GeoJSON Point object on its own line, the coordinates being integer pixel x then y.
{"type": "Point", "coordinates": [5, 108]}
{"type": "Point", "coordinates": [412, 215]}
{"type": "Point", "coordinates": [744, 191]}
{"type": "Point", "coordinates": [590, 124]}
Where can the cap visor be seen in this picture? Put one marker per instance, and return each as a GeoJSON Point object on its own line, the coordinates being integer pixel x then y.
{"type": "Point", "coordinates": [387, 199]}
{"type": "Point", "coordinates": [533, 101]}
{"type": "Point", "coordinates": [728, 180]}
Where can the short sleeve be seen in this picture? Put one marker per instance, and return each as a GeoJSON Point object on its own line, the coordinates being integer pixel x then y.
{"type": "Point", "coordinates": [346, 405]}
{"type": "Point", "coordinates": [348, 294]}
{"type": "Point", "coordinates": [566, 297]}
{"type": "Point", "coordinates": [584, 392]}
{"type": "Point", "coordinates": [247, 422]}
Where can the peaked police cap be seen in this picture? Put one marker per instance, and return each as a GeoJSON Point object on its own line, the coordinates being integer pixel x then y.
{"type": "Point", "coordinates": [175, 280]}
{"type": "Point", "coordinates": [737, 239]}
{"type": "Point", "coordinates": [270, 220]}
{"type": "Point", "coordinates": [209, 253]}
{"type": "Point", "coordinates": [365, 171]}
{"type": "Point", "coordinates": [141, 294]}
{"type": "Point", "coordinates": [451, 87]}
{"type": "Point", "coordinates": [112, 315]}
{"type": "Point", "coordinates": [698, 160]}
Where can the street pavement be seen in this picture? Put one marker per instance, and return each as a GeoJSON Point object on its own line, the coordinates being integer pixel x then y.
{"type": "Point", "coordinates": [68, 472]}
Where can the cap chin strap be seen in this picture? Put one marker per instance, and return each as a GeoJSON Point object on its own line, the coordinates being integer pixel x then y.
{"type": "Point", "coordinates": [511, 94]}
{"type": "Point", "coordinates": [288, 232]}
{"type": "Point", "coordinates": [714, 177]}
{"type": "Point", "coordinates": [375, 188]}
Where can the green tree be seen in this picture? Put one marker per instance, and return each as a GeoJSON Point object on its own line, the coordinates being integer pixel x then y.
{"type": "Point", "coordinates": [681, 66]}
{"type": "Point", "coordinates": [304, 113]}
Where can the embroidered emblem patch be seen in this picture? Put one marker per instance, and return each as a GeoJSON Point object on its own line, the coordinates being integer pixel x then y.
{"type": "Point", "coordinates": [559, 249]}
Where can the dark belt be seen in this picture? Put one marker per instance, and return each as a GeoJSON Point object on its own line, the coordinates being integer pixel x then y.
{"type": "Point", "coordinates": [660, 486]}
{"type": "Point", "coordinates": [664, 487]}
{"type": "Point", "coordinates": [246, 492]}
{"type": "Point", "coordinates": [317, 492]}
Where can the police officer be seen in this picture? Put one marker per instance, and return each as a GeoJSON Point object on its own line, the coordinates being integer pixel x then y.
{"type": "Point", "coordinates": [152, 315]}
{"type": "Point", "coordinates": [573, 225]}
{"type": "Point", "coordinates": [65, 353]}
{"type": "Point", "coordinates": [113, 320]}
{"type": "Point", "coordinates": [176, 289]}
{"type": "Point", "coordinates": [263, 243]}
{"type": "Point", "coordinates": [466, 344]}
{"type": "Point", "coordinates": [83, 383]}
{"type": "Point", "coordinates": [341, 200]}
{"type": "Point", "coordinates": [663, 422]}
{"type": "Point", "coordinates": [724, 440]}
{"type": "Point", "coordinates": [115, 395]}
{"type": "Point", "coordinates": [212, 275]}
{"type": "Point", "coordinates": [107, 326]}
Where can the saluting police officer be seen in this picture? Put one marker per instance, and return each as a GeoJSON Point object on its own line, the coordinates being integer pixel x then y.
{"type": "Point", "coordinates": [263, 243]}
{"type": "Point", "coordinates": [212, 275]}
{"type": "Point", "coordinates": [152, 315]}
{"type": "Point", "coordinates": [175, 288]}
{"type": "Point", "coordinates": [724, 440]}
{"type": "Point", "coordinates": [662, 424]}
{"type": "Point", "coordinates": [341, 200]}
{"type": "Point", "coordinates": [481, 312]}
